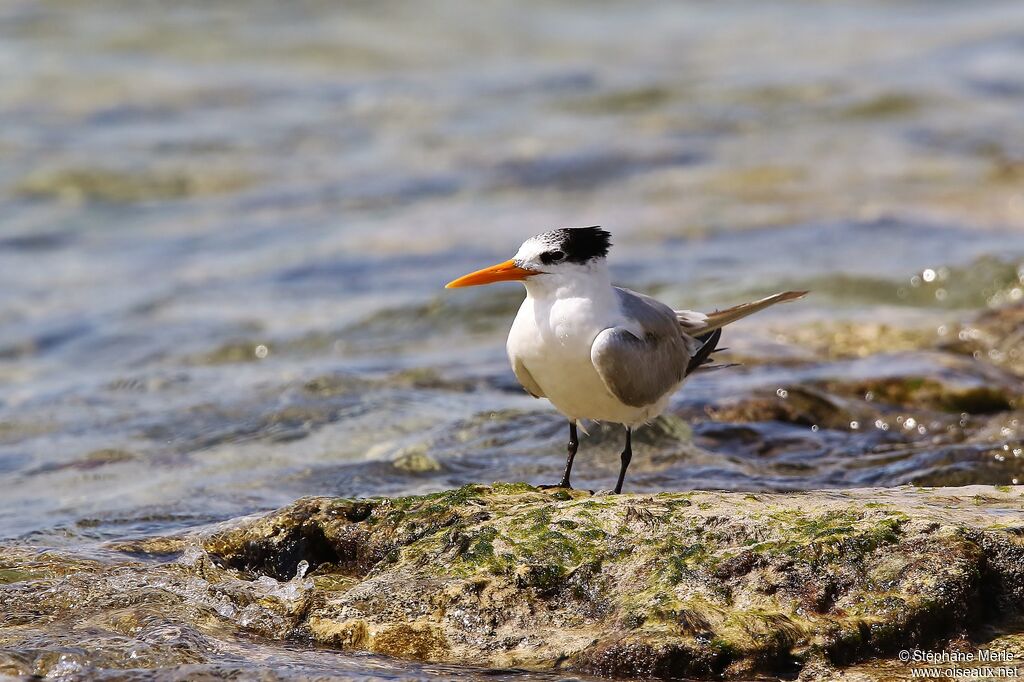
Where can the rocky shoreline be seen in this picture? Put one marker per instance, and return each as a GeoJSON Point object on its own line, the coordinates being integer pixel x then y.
{"type": "Point", "coordinates": [697, 585]}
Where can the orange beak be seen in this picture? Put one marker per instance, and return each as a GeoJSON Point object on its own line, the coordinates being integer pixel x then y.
{"type": "Point", "coordinates": [502, 272]}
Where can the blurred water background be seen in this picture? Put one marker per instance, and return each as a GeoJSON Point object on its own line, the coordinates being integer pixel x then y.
{"type": "Point", "coordinates": [226, 226]}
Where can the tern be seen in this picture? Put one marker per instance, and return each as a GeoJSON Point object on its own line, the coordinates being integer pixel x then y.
{"type": "Point", "coordinates": [594, 350]}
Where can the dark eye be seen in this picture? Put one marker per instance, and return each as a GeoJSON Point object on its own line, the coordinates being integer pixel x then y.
{"type": "Point", "coordinates": [549, 257]}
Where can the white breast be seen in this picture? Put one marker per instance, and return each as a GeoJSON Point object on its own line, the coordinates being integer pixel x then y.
{"type": "Point", "coordinates": [552, 337]}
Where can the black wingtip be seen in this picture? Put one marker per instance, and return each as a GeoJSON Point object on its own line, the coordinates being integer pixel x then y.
{"type": "Point", "coordinates": [704, 352]}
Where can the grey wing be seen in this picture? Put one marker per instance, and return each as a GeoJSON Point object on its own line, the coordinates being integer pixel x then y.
{"type": "Point", "coordinates": [526, 379]}
{"type": "Point", "coordinates": [642, 364]}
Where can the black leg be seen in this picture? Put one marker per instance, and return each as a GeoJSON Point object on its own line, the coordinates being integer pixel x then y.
{"type": "Point", "coordinates": [574, 443]}
{"type": "Point", "coordinates": [627, 455]}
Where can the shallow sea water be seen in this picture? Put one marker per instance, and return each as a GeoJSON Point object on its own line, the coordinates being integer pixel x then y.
{"type": "Point", "coordinates": [226, 228]}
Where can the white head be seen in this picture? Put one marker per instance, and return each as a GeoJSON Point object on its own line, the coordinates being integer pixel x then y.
{"type": "Point", "coordinates": [551, 258]}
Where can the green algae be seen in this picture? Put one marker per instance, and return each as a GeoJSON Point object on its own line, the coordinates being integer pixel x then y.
{"type": "Point", "coordinates": [824, 537]}
{"type": "Point", "coordinates": [699, 584]}
{"type": "Point", "coordinates": [437, 503]}
{"type": "Point", "coordinates": [17, 575]}
{"type": "Point", "coordinates": [687, 560]}
{"type": "Point", "coordinates": [512, 488]}
{"type": "Point", "coordinates": [415, 461]}
{"type": "Point", "coordinates": [115, 186]}
{"type": "Point", "coordinates": [886, 105]}
{"type": "Point", "coordinates": [624, 101]}
{"type": "Point", "coordinates": [933, 393]}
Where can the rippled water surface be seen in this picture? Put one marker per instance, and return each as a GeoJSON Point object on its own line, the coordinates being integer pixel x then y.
{"type": "Point", "coordinates": [226, 228]}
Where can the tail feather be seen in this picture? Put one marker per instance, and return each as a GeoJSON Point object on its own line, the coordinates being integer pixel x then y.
{"type": "Point", "coordinates": [699, 323]}
{"type": "Point", "coordinates": [715, 365]}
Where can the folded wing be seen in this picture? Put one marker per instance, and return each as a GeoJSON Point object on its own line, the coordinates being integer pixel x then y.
{"type": "Point", "coordinates": [526, 379]}
{"type": "Point", "coordinates": [643, 361]}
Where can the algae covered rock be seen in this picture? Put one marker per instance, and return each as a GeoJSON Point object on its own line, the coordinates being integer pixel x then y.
{"type": "Point", "coordinates": [131, 186]}
{"type": "Point", "coordinates": [676, 585]}
{"type": "Point", "coordinates": [670, 585]}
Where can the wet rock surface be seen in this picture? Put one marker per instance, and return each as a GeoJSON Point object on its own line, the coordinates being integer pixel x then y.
{"type": "Point", "coordinates": [938, 406]}
{"type": "Point", "coordinates": [700, 585]}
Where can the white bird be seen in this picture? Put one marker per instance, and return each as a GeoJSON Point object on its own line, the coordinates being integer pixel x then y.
{"type": "Point", "coordinates": [598, 351]}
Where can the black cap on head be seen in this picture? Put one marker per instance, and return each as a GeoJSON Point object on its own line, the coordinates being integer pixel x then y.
{"type": "Point", "coordinates": [580, 244]}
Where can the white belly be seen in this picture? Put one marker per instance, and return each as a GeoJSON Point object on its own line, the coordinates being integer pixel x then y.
{"type": "Point", "coordinates": [553, 342]}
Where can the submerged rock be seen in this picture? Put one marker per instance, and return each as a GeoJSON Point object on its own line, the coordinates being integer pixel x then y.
{"type": "Point", "coordinates": [131, 186]}
{"type": "Point", "coordinates": [994, 336]}
{"type": "Point", "coordinates": [701, 584]}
